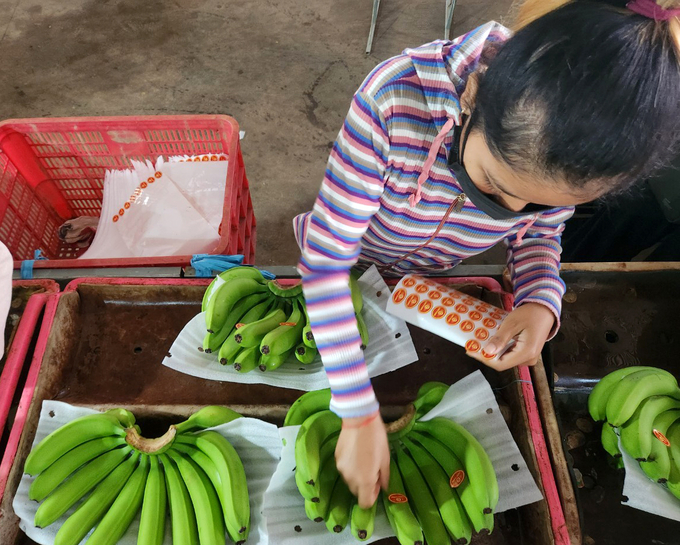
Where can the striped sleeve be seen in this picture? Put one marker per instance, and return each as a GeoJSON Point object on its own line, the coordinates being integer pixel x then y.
{"type": "Point", "coordinates": [534, 262]}
{"type": "Point", "coordinates": [330, 240]}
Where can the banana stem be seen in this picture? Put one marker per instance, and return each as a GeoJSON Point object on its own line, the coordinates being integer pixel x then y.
{"type": "Point", "coordinates": [403, 422]}
{"type": "Point", "coordinates": [157, 445]}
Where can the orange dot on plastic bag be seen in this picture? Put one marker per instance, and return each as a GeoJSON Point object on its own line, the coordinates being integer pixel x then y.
{"type": "Point", "coordinates": [213, 158]}
{"type": "Point", "coordinates": [205, 158]}
{"type": "Point", "coordinates": [126, 205]}
{"type": "Point", "coordinates": [158, 174]}
{"type": "Point", "coordinates": [143, 185]}
{"type": "Point", "coordinates": [223, 158]}
{"type": "Point", "coordinates": [151, 179]}
{"type": "Point", "coordinates": [115, 219]}
{"type": "Point", "coordinates": [121, 211]}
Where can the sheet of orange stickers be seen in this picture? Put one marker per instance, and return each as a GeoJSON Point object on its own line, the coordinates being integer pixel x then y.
{"type": "Point", "coordinates": [462, 319]}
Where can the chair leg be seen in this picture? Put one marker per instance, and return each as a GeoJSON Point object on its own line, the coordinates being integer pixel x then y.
{"type": "Point", "coordinates": [374, 19]}
{"type": "Point", "coordinates": [450, 6]}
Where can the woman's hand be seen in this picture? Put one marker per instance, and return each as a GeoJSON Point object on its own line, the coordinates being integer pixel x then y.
{"type": "Point", "coordinates": [363, 457]}
{"type": "Point", "coordinates": [530, 325]}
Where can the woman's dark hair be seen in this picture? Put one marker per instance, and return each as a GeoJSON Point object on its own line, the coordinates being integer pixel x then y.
{"type": "Point", "coordinates": [588, 93]}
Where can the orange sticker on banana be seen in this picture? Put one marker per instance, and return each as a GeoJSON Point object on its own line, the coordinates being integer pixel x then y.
{"type": "Point", "coordinates": [239, 325]}
{"type": "Point", "coordinates": [457, 478]}
{"type": "Point", "coordinates": [461, 308]}
{"type": "Point", "coordinates": [438, 312]}
{"type": "Point", "coordinates": [409, 282]}
{"type": "Point", "coordinates": [412, 300]}
{"type": "Point", "coordinates": [472, 345]}
{"type": "Point", "coordinates": [475, 315]}
{"type": "Point", "coordinates": [482, 334]}
{"type": "Point", "coordinates": [661, 437]}
{"type": "Point", "coordinates": [291, 324]}
{"type": "Point", "coordinates": [452, 319]}
{"type": "Point", "coordinates": [425, 306]}
{"type": "Point", "coordinates": [448, 302]}
{"type": "Point", "coordinates": [467, 326]}
{"type": "Point", "coordinates": [399, 295]}
{"type": "Point", "coordinates": [422, 288]}
{"type": "Point", "coordinates": [434, 294]}
{"type": "Point", "coordinates": [397, 498]}
{"type": "Point", "coordinates": [490, 323]}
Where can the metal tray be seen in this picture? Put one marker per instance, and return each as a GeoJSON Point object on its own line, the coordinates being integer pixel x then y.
{"type": "Point", "coordinates": [108, 337]}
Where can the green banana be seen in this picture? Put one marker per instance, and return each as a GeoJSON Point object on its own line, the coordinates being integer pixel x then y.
{"type": "Point", "coordinates": [327, 479]}
{"type": "Point", "coordinates": [225, 297]}
{"type": "Point", "coordinates": [429, 395]}
{"type": "Point", "coordinates": [450, 506]}
{"type": "Point", "coordinates": [230, 274]}
{"type": "Point", "coordinates": [251, 334]}
{"type": "Point", "coordinates": [456, 471]}
{"type": "Point", "coordinates": [152, 521]}
{"type": "Point", "coordinates": [312, 511]}
{"type": "Point", "coordinates": [307, 335]}
{"type": "Point", "coordinates": [631, 390]}
{"type": "Point", "coordinates": [673, 483]}
{"type": "Point", "coordinates": [477, 463]}
{"type": "Point", "coordinates": [355, 292]}
{"type": "Point", "coordinates": [96, 505]}
{"type": "Point", "coordinates": [658, 464]}
{"type": "Point", "coordinates": [362, 521]}
{"type": "Point", "coordinates": [636, 434]}
{"type": "Point", "coordinates": [326, 453]}
{"type": "Point", "coordinates": [597, 400]}
{"type": "Point", "coordinates": [234, 495]}
{"type": "Point", "coordinates": [311, 436]}
{"type": "Point", "coordinates": [363, 331]}
{"type": "Point", "coordinates": [402, 519]}
{"type": "Point", "coordinates": [230, 347]}
{"type": "Point", "coordinates": [204, 499]}
{"type": "Point", "coordinates": [287, 335]}
{"type": "Point", "coordinates": [285, 290]}
{"type": "Point", "coordinates": [610, 441]}
{"type": "Point", "coordinates": [339, 508]}
{"type": "Point", "coordinates": [57, 473]}
{"type": "Point", "coordinates": [271, 362]}
{"type": "Point", "coordinates": [84, 480]}
{"type": "Point", "coordinates": [213, 341]}
{"type": "Point", "coordinates": [247, 359]}
{"type": "Point", "coordinates": [124, 509]}
{"type": "Point", "coordinates": [421, 498]}
{"type": "Point", "coordinates": [207, 417]}
{"type": "Point", "coordinates": [305, 354]}
{"type": "Point", "coordinates": [75, 433]}
{"type": "Point", "coordinates": [306, 405]}
{"type": "Point", "coordinates": [182, 514]}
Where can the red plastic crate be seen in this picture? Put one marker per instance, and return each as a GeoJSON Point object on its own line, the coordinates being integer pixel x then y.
{"type": "Point", "coordinates": [52, 170]}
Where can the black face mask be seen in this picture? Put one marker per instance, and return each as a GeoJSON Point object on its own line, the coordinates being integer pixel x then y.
{"type": "Point", "coordinates": [480, 199]}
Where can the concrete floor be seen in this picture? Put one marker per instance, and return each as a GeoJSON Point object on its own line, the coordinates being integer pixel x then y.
{"type": "Point", "coordinates": [285, 69]}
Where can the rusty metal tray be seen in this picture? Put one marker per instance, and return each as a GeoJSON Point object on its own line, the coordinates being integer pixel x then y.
{"type": "Point", "coordinates": [109, 336]}
{"type": "Point", "coordinates": [614, 315]}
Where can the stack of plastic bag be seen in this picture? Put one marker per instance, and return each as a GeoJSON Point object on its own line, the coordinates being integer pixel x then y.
{"type": "Point", "coordinates": [170, 208]}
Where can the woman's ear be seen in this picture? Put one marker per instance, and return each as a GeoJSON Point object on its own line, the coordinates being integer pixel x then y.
{"type": "Point", "coordinates": [467, 99]}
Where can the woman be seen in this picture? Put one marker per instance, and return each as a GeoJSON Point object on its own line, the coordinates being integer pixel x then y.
{"type": "Point", "coordinates": [453, 146]}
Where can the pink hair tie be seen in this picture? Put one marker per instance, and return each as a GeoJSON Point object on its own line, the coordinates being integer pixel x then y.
{"type": "Point", "coordinates": [651, 10]}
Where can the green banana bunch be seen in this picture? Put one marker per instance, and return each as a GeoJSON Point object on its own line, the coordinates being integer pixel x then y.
{"type": "Point", "coordinates": [75, 433]}
{"type": "Point", "coordinates": [658, 465]}
{"type": "Point", "coordinates": [306, 405]}
{"type": "Point", "coordinates": [214, 340]}
{"type": "Point", "coordinates": [197, 473]}
{"type": "Point", "coordinates": [597, 401]}
{"type": "Point", "coordinates": [312, 434]}
{"type": "Point", "coordinates": [225, 297]}
{"type": "Point", "coordinates": [229, 274]}
{"type": "Point", "coordinates": [673, 483]}
{"type": "Point", "coordinates": [637, 434]}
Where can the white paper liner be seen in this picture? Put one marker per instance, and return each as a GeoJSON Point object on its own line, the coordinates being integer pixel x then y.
{"type": "Point", "coordinates": [390, 347]}
{"type": "Point", "coordinates": [257, 443]}
{"type": "Point", "coordinates": [466, 402]}
{"type": "Point", "coordinates": [645, 494]}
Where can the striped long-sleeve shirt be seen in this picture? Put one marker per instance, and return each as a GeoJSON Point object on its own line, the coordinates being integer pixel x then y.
{"type": "Point", "coordinates": [363, 211]}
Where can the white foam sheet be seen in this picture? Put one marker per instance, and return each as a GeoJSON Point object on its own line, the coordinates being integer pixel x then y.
{"type": "Point", "coordinates": [390, 347]}
{"type": "Point", "coordinates": [645, 494]}
{"type": "Point", "coordinates": [257, 443]}
{"type": "Point", "coordinates": [466, 402]}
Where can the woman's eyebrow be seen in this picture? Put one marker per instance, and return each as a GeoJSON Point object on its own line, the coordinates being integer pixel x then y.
{"type": "Point", "coordinates": [498, 186]}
